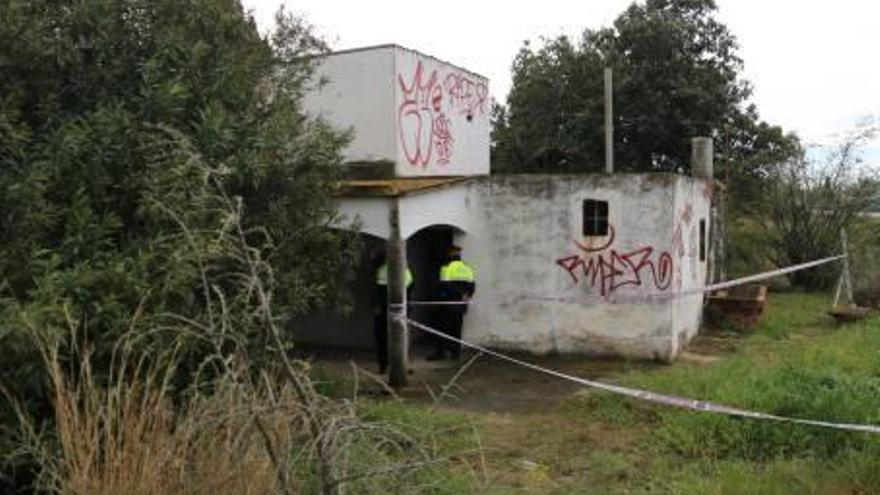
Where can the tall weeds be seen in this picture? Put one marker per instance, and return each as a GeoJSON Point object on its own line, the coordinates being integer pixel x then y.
{"type": "Point", "coordinates": [134, 435]}
{"type": "Point", "coordinates": [158, 423]}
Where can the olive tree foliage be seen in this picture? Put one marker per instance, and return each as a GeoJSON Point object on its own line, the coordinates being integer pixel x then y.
{"type": "Point", "coordinates": [101, 220]}
{"type": "Point", "coordinates": [676, 76]}
{"type": "Point", "coordinates": [806, 204]}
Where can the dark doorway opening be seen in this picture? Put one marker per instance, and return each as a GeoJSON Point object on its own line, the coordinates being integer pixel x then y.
{"type": "Point", "coordinates": [426, 253]}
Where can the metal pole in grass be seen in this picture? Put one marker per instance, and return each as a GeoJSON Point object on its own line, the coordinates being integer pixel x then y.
{"type": "Point", "coordinates": [845, 279]}
{"type": "Point", "coordinates": [609, 122]}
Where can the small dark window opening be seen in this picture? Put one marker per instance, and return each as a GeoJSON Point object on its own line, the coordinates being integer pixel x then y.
{"type": "Point", "coordinates": [702, 240]}
{"type": "Point", "coordinates": [595, 217]}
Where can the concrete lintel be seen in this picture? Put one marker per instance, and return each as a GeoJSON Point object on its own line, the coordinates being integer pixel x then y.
{"type": "Point", "coordinates": [439, 206]}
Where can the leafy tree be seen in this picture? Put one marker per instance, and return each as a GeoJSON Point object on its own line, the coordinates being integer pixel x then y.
{"type": "Point", "coordinates": [553, 118]}
{"type": "Point", "coordinates": [101, 221]}
{"type": "Point", "coordinates": [805, 205]}
{"type": "Point", "coordinates": [748, 151]}
{"type": "Point", "coordinates": [676, 76]}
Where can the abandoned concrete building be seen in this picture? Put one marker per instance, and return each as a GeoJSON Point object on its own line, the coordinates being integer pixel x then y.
{"type": "Point", "coordinates": [596, 264]}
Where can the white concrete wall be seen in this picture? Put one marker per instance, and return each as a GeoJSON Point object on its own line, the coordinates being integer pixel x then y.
{"type": "Point", "coordinates": [370, 214]}
{"type": "Point", "coordinates": [354, 91]}
{"type": "Point", "coordinates": [693, 201]}
{"type": "Point", "coordinates": [527, 245]}
{"type": "Point", "coordinates": [442, 206]}
{"type": "Point", "coordinates": [427, 117]}
{"type": "Point", "coordinates": [542, 286]}
{"type": "Point", "coordinates": [442, 117]}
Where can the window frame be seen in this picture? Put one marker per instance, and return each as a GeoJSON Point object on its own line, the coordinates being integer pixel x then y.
{"type": "Point", "coordinates": [703, 240]}
{"type": "Point", "coordinates": [594, 217]}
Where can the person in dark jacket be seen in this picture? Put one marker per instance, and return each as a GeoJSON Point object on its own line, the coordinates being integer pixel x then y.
{"type": "Point", "coordinates": [457, 285]}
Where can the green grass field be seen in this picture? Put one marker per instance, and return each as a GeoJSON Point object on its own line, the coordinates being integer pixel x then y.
{"type": "Point", "coordinates": [797, 363]}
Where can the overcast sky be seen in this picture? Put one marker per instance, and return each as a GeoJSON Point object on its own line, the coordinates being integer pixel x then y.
{"type": "Point", "coordinates": [814, 65]}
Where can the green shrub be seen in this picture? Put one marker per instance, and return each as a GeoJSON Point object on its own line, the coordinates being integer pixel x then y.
{"type": "Point", "coordinates": [134, 135]}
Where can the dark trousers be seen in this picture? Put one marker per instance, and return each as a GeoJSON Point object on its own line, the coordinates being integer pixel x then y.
{"type": "Point", "coordinates": [449, 321]}
{"type": "Point", "coordinates": [380, 334]}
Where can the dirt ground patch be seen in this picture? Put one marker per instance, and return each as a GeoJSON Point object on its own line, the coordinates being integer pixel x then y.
{"type": "Point", "coordinates": [539, 434]}
{"type": "Point", "coordinates": [531, 445]}
{"type": "Point", "coordinates": [486, 384]}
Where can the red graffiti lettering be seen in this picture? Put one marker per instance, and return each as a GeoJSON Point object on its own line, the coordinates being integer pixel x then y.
{"type": "Point", "coordinates": [467, 95]}
{"type": "Point", "coordinates": [443, 139]}
{"type": "Point", "coordinates": [416, 115]}
{"type": "Point", "coordinates": [708, 190]}
{"type": "Point", "coordinates": [685, 244]}
{"type": "Point", "coordinates": [611, 269]}
{"type": "Point", "coordinates": [430, 105]}
{"type": "Point", "coordinates": [688, 214]}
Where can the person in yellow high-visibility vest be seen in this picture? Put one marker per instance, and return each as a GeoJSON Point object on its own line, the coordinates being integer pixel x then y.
{"type": "Point", "coordinates": [457, 284]}
{"type": "Point", "coordinates": [380, 310]}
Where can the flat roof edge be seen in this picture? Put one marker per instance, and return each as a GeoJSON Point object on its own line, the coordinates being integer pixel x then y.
{"type": "Point", "coordinates": [382, 46]}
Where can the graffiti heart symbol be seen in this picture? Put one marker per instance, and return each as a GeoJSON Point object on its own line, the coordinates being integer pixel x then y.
{"type": "Point", "coordinates": [421, 98]}
{"type": "Point", "coordinates": [416, 129]}
{"type": "Point", "coordinates": [426, 130]}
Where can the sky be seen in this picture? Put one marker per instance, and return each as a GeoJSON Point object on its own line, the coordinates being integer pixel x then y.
{"type": "Point", "coordinates": [813, 64]}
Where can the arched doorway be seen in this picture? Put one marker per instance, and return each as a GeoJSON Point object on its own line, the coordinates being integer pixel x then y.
{"type": "Point", "coordinates": [427, 249]}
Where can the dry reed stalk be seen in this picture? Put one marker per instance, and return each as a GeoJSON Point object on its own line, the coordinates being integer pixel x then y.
{"type": "Point", "coordinates": [231, 431]}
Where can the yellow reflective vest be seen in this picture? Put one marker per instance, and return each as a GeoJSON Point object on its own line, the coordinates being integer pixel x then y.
{"type": "Point", "coordinates": [457, 271]}
{"type": "Point", "coordinates": [382, 275]}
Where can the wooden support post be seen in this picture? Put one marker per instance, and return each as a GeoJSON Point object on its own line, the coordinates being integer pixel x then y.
{"type": "Point", "coordinates": [398, 345]}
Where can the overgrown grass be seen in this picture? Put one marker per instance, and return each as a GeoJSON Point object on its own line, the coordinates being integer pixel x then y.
{"type": "Point", "coordinates": [796, 363]}
{"type": "Point", "coordinates": [791, 367]}
{"type": "Point", "coordinates": [453, 438]}
{"type": "Point", "coordinates": [133, 435]}
{"type": "Point", "coordinates": [853, 473]}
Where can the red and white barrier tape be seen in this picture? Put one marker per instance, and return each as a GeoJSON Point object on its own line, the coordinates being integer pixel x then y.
{"type": "Point", "coordinates": [654, 297]}
{"type": "Point", "coordinates": [665, 399]}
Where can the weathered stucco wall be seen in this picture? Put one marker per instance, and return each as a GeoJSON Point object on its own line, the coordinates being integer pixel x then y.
{"type": "Point", "coordinates": [693, 200]}
{"type": "Point", "coordinates": [353, 91]}
{"type": "Point", "coordinates": [423, 116]}
{"type": "Point", "coordinates": [542, 285]}
{"type": "Point", "coordinates": [442, 117]}
{"type": "Point", "coordinates": [548, 283]}
{"type": "Point", "coordinates": [370, 214]}
{"type": "Point", "coordinates": [443, 206]}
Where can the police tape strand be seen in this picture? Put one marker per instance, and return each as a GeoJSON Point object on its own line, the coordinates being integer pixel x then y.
{"type": "Point", "coordinates": [655, 297]}
{"type": "Point", "coordinates": [645, 395]}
